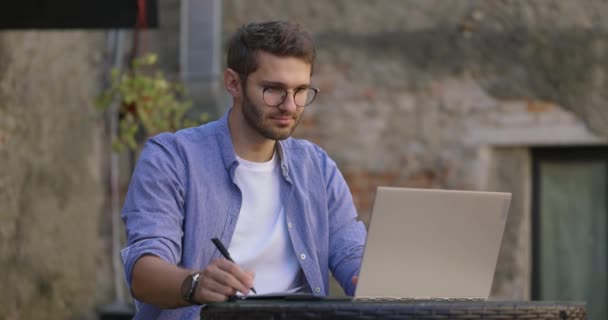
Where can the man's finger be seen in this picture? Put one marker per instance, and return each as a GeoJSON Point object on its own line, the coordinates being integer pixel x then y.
{"type": "Point", "coordinates": [243, 277]}
{"type": "Point", "coordinates": [212, 285]}
{"type": "Point", "coordinates": [217, 273]}
{"type": "Point", "coordinates": [207, 295]}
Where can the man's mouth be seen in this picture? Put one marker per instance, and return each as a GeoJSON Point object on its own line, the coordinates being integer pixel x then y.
{"type": "Point", "coordinates": [282, 120]}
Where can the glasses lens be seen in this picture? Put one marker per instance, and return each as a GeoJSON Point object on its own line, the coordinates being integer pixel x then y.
{"type": "Point", "coordinates": [274, 96]}
{"type": "Point", "coordinates": [305, 96]}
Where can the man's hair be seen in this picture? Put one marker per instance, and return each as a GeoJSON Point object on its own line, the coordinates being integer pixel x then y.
{"type": "Point", "coordinates": [280, 38]}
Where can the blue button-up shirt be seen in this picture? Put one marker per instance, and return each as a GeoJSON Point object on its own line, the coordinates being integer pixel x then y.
{"type": "Point", "coordinates": [182, 194]}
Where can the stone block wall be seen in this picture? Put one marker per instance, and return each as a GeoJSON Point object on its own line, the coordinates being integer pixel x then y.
{"type": "Point", "coordinates": [54, 262]}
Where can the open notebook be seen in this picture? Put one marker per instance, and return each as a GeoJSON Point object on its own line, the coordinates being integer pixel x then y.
{"type": "Point", "coordinates": [428, 244]}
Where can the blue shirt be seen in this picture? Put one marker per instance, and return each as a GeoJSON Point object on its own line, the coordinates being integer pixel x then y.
{"type": "Point", "coordinates": [182, 194]}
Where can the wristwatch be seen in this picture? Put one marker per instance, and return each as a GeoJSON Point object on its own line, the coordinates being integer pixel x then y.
{"type": "Point", "coordinates": [189, 287]}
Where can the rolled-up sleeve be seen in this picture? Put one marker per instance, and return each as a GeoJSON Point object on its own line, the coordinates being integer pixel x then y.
{"type": "Point", "coordinates": [346, 233]}
{"type": "Point", "coordinates": [153, 211]}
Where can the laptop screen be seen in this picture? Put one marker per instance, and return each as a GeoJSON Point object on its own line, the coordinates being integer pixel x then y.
{"type": "Point", "coordinates": [427, 243]}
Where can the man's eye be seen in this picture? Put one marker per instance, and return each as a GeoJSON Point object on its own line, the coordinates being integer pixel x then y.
{"type": "Point", "coordinates": [273, 90]}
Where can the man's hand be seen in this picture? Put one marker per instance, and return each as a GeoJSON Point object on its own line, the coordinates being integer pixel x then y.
{"type": "Point", "coordinates": [355, 279]}
{"type": "Point", "coordinates": [222, 279]}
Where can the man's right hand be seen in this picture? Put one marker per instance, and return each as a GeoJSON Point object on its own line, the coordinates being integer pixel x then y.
{"type": "Point", "coordinates": [158, 282]}
{"type": "Point", "coordinates": [222, 279]}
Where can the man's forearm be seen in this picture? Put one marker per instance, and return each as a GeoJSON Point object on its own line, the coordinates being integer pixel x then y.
{"type": "Point", "coordinates": [158, 282]}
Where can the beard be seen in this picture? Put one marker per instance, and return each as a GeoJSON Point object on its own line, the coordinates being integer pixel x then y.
{"type": "Point", "coordinates": [255, 117]}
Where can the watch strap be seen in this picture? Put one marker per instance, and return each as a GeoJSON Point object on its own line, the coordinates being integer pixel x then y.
{"type": "Point", "coordinates": [193, 285]}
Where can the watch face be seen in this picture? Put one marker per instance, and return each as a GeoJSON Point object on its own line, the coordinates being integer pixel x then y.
{"type": "Point", "coordinates": [187, 287]}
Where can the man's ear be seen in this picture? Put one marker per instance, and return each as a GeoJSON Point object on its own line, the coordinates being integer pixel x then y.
{"type": "Point", "coordinates": [232, 81]}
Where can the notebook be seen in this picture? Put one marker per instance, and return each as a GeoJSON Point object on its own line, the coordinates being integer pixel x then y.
{"type": "Point", "coordinates": [428, 243]}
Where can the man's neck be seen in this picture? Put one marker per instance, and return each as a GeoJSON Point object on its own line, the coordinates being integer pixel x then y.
{"type": "Point", "coordinates": [248, 143]}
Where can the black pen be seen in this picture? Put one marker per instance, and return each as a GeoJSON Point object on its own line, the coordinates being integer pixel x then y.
{"type": "Point", "coordinates": [220, 246]}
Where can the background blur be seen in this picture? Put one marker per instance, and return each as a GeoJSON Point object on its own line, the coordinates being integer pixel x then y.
{"type": "Point", "coordinates": [481, 95]}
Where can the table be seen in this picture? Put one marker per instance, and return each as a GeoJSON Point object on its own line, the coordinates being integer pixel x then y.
{"type": "Point", "coordinates": [427, 310]}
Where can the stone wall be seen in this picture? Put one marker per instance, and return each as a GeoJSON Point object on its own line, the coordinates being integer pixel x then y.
{"type": "Point", "coordinates": [420, 93]}
{"type": "Point", "coordinates": [54, 262]}
{"type": "Point", "coordinates": [450, 94]}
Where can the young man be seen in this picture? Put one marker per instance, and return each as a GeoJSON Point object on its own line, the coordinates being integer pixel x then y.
{"type": "Point", "coordinates": [279, 204]}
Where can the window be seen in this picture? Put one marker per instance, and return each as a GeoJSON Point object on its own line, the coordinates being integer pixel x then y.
{"type": "Point", "coordinates": [570, 251]}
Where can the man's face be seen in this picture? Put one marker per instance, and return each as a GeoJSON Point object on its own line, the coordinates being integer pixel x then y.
{"type": "Point", "coordinates": [274, 123]}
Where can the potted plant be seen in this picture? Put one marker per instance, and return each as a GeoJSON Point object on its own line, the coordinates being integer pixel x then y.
{"type": "Point", "coordinates": [148, 103]}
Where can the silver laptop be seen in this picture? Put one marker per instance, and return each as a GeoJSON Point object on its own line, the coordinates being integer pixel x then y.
{"type": "Point", "coordinates": [427, 244]}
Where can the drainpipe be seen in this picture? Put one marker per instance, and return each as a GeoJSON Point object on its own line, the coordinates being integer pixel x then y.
{"type": "Point", "coordinates": [114, 177]}
{"type": "Point", "coordinates": [200, 53]}
{"type": "Point", "coordinates": [119, 308]}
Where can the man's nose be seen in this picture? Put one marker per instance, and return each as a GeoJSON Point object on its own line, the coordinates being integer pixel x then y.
{"type": "Point", "coordinates": [289, 105]}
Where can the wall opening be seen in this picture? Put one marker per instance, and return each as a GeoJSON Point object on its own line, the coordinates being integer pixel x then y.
{"type": "Point", "coordinates": [569, 221]}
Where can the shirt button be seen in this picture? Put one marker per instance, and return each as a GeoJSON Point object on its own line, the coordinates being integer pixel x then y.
{"type": "Point", "coordinates": [302, 256]}
{"type": "Point", "coordinates": [317, 289]}
{"type": "Point", "coordinates": [289, 225]}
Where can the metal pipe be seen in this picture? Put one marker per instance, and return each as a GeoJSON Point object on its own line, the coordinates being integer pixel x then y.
{"type": "Point", "coordinates": [118, 46]}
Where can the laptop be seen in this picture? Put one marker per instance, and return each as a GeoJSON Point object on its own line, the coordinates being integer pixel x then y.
{"type": "Point", "coordinates": [425, 244]}
{"type": "Point", "coordinates": [429, 244]}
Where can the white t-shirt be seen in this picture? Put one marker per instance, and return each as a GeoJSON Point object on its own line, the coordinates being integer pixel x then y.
{"type": "Point", "coordinates": [261, 241]}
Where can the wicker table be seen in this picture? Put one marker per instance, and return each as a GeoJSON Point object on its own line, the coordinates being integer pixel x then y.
{"type": "Point", "coordinates": [503, 310]}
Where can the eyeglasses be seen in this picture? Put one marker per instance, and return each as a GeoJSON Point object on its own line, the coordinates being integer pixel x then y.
{"type": "Point", "coordinates": [274, 96]}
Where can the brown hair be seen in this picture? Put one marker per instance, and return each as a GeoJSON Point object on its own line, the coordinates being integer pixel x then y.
{"type": "Point", "coordinates": [280, 38]}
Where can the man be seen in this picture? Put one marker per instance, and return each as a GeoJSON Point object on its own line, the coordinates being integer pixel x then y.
{"type": "Point", "coordinates": [279, 204]}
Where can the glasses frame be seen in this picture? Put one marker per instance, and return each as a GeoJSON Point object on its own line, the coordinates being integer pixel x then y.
{"type": "Point", "coordinates": [316, 90]}
{"type": "Point", "coordinates": [286, 92]}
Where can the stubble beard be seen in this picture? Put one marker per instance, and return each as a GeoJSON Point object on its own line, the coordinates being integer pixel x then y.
{"type": "Point", "coordinates": [255, 118]}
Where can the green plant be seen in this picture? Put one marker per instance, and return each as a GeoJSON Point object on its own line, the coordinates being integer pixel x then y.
{"type": "Point", "coordinates": [148, 103]}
